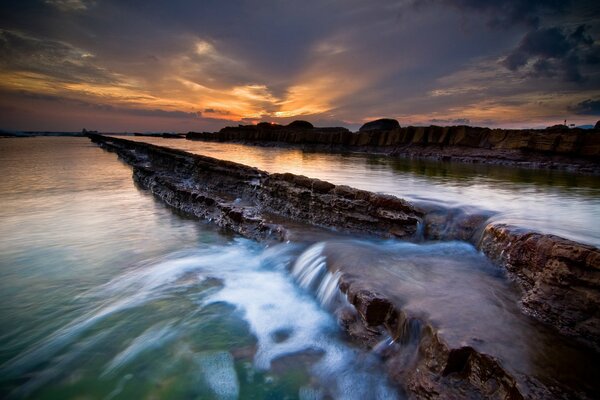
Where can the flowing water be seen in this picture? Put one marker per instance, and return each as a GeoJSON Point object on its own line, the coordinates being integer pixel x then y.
{"type": "Point", "coordinates": [550, 201]}
{"type": "Point", "coordinates": [107, 294]}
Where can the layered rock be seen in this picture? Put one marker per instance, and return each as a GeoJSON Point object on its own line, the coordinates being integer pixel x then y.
{"type": "Point", "coordinates": [440, 344]}
{"type": "Point", "coordinates": [575, 149]}
{"type": "Point", "coordinates": [248, 200]}
{"type": "Point", "coordinates": [560, 278]}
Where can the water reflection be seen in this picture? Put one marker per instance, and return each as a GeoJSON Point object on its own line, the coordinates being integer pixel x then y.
{"type": "Point", "coordinates": [551, 201]}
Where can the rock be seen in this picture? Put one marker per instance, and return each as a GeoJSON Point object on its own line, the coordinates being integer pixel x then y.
{"type": "Point", "coordinates": [206, 188]}
{"type": "Point", "coordinates": [435, 354]}
{"type": "Point", "coordinates": [556, 148]}
{"type": "Point", "coordinates": [560, 278]}
{"type": "Point", "coordinates": [558, 127]}
{"type": "Point", "coordinates": [597, 126]}
{"type": "Point", "coordinates": [300, 125]}
{"type": "Point", "coordinates": [267, 125]}
{"type": "Point", "coordinates": [383, 124]}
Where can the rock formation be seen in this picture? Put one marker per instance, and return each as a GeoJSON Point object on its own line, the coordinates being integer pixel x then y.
{"type": "Point", "coordinates": [560, 279]}
{"type": "Point", "coordinates": [574, 149]}
{"type": "Point", "coordinates": [249, 201]}
{"type": "Point", "coordinates": [383, 124]}
{"type": "Point", "coordinates": [300, 125]}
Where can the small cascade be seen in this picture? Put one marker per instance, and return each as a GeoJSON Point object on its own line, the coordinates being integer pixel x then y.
{"type": "Point", "coordinates": [309, 268]}
{"type": "Point", "coordinates": [328, 292]}
{"type": "Point", "coordinates": [310, 271]}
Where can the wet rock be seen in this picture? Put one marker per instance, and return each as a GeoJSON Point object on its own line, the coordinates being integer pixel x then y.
{"type": "Point", "coordinates": [244, 199]}
{"type": "Point", "coordinates": [454, 223]}
{"type": "Point", "coordinates": [419, 359]}
{"type": "Point", "coordinates": [560, 278]}
{"type": "Point", "coordinates": [383, 124]}
{"type": "Point", "coordinates": [435, 355]}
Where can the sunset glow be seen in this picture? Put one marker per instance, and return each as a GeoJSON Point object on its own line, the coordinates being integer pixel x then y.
{"type": "Point", "coordinates": [69, 64]}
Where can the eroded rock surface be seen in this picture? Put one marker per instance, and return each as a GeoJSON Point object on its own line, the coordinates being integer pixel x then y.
{"type": "Point", "coordinates": [560, 278]}
{"type": "Point", "coordinates": [249, 201]}
{"type": "Point", "coordinates": [448, 327]}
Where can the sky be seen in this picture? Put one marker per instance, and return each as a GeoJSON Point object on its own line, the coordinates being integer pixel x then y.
{"type": "Point", "coordinates": [183, 65]}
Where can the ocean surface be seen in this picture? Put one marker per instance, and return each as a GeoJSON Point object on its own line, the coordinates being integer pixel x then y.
{"type": "Point", "coordinates": [105, 293]}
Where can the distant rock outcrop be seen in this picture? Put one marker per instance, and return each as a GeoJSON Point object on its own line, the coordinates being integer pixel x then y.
{"type": "Point", "coordinates": [597, 126]}
{"type": "Point", "coordinates": [557, 147]}
{"type": "Point", "coordinates": [300, 125]}
{"type": "Point", "coordinates": [557, 127]}
{"type": "Point", "coordinates": [383, 124]}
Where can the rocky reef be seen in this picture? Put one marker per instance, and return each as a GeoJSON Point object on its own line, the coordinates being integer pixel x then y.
{"type": "Point", "coordinates": [250, 201]}
{"type": "Point", "coordinates": [559, 279]}
{"type": "Point", "coordinates": [560, 147]}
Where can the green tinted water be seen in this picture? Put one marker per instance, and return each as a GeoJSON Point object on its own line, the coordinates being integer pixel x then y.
{"type": "Point", "coordinates": [106, 294]}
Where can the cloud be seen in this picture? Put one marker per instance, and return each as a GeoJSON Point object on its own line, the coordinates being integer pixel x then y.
{"type": "Point", "coordinates": [555, 52]}
{"type": "Point", "coordinates": [457, 121]}
{"type": "Point", "coordinates": [587, 107]}
{"type": "Point", "coordinates": [500, 14]}
{"type": "Point", "coordinates": [70, 5]}
{"type": "Point", "coordinates": [333, 61]}
{"type": "Point", "coordinates": [58, 60]}
{"type": "Point", "coordinates": [142, 112]}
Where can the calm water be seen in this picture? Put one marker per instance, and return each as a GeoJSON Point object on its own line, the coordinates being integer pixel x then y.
{"type": "Point", "coordinates": [106, 294]}
{"type": "Point", "coordinates": [555, 202]}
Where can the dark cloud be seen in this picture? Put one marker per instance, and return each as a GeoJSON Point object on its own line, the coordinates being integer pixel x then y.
{"type": "Point", "coordinates": [503, 13]}
{"type": "Point", "coordinates": [22, 53]}
{"type": "Point", "coordinates": [139, 112]}
{"type": "Point", "coordinates": [250, 58]}
{"type": "Point", "coordinates": [555, 51]}
{"type": "Point", "coordinates": [587, 107]}
{"type": "Point", "coordinates": [215, 111]}
{"type": "Point", "coordinates": [455, 121]}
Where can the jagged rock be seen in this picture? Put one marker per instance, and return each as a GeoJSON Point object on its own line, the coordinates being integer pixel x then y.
{"type": "Point", "coordinates": [300, 125]}
{"type": "Point", "coordinates": [434, 354]}
{"type": "Point", "coordinates": [560, 278]}
{"type": "Point", "coordinates": [243, 198]}
{"type": "Point", "coordinates": [383, 124]}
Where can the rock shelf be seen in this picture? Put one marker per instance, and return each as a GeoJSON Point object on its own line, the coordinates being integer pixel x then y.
{"type": "Point", "coordinates": [559, 279]}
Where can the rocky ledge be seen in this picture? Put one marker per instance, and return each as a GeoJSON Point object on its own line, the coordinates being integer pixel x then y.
{"type": "Point", "coordinates": [560, 279]}
{"type": "Point", "coordinates": [251, 202]}
{"type": "Point", "coordinates": [555, 147]}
